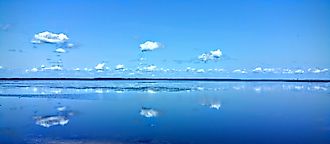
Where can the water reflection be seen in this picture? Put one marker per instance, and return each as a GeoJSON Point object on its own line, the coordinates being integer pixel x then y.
{"type": "Point", "coordinates": [62, 118]}
{"type": "Point", "coordinates": [212, 104]}
{"type": "Point", "coordinates": [114, 109]}
{"type": "Point", "coordinates": [148, 112]}
{"type": "Point", "coordinates": [67, 87]}
{"type": "Point", "coordinates": [61, 108]}
{"type": "Point", "coordinates": [48, 121]}
{"type": "Point", "coordinates": [215, 106]}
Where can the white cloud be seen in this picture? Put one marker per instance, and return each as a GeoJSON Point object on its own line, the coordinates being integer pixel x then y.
{"type": "Point", "coordinates": [287, 71]}
{"type": "Point", "coordinates": [100, 66]}
{"type": "Point", "coordinates": [149, 46]}
{"type": "Point", "coordinates": [204, 57]}
{"type": "Point", "coordinates": [1, 67]}
{"type": "Point", "coordinates": [48, 37]}
{"type": "Point", "coordinates": [148, 112]}
{"type": "Point", "coordinates": [269, 70]}
{"type": "Point", "coordinates": [34, 70]}
{"type": "Point", "coordinates": [70, 45]}
{"type": "Point", "coordinates": [34, 41]}
{"type": "Point", "coordinates": [60, 50]}
{"type": "Point", "coordinates": [257, 70]}
{"type": "Point", "coordinates": [216, 53]}
{"type": "Point", "coordinates": [239, 71]}
{"type": "Point", "coordinates": [266, 70]}
{"type": "Point", "coordinates": [54, 68]}
{"type": "Point", "coordinates": [316, 71]}
{"type": "Point", "coordinates": [212, 55]}
{"type": "Point", "coordinates": [150, 68]}
{"type": "Point", "coordinates": [324, 70]}
{"type": "Point", "coordinates": [120, 67]}
{"type": "Point", "coordinates": [200, 71]}
{"type": "Point", "coordinates": [76, 69]}
{"type": "Point", "coordinates": [88, 69]}
{"type": "Point", "coordinates": [299, 71]}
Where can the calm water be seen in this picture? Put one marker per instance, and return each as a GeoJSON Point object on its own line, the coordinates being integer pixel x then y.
{"type": "Point", "coordinates": [163, 112]}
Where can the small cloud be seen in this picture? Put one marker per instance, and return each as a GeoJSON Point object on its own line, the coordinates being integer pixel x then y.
{"type": "Point", "coordinates": [56, 67]}
{"type": "Point", "coordinates": [149, 46]}
{"type": "Point", "coordinates": [49, 37]}
{"type": "Point", "coordinates": [1, 67]}
{"type": "Point", "coordinates": [316, 71]}
{"type": "Point", "coordinates": [76, 69]}
{"type": "Point", "coordinates": [120, 67]}
{"type": "Point", "coordinates": [100, 66]}
{"type": "Point", "coordinates": [88, 69]}
{"type": "Point", "coordinates": [34, 41]}
{"type": "Point", "coordinates": [60, 50]}
{"type": "Point", "coordinates": [212, 55]}
{"type": "Point", "coordinates": [150, 68]}
{"type": "Point", "coordinates": [216, 53]}
{"type": "Point", "coordinates": [239, 71]}
{"type": "Point", "coordinates": [70, 45]}
{"type": "Point", "coordinates": [299, 71]}
{"type": "Point", "coordinates": [34, 70]}
{"type": "Point", "coordinates": [200, 71]}
{"type": "Point", "coordinates": [287, 71]}
{"type": "Point", "coordinates": [257, 70]}
{"type": "Point", "coordinates": [269, 70]}
{"type": "Point", "coordinates": [324, 70]}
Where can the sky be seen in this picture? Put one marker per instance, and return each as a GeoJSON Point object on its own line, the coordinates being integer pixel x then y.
{"type": "Point", "coordinates": [292, 34]}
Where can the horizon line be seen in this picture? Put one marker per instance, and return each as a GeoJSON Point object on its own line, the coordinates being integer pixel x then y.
{"type": "Point", "coordinates": [172, 79]}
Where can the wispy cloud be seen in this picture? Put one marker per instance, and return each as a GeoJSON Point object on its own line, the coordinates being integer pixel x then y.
{"type": "Point", "coordinates": [5, 27]}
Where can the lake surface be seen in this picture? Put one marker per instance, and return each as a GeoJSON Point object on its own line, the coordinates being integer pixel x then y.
{"type": "Point", "coordinates": [163, 112]}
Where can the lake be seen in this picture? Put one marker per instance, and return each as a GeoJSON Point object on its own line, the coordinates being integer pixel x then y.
{"type": "Point", "coordinates": [163, 112]}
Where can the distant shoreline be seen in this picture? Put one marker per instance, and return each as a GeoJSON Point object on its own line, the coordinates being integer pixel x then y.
{"type": "Point", "coordinates": [171, 79]}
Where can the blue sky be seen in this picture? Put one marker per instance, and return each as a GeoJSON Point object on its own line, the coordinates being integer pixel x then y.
{"type": "Point", "coordinates": [252, 33]}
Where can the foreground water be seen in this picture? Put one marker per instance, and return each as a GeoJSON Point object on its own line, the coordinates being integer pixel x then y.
{"type": "Point", "coordinates": [163, 112]}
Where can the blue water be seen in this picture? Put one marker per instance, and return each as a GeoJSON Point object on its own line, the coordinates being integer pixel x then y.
{"type": "Point", "coordinates": [163, 112]}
